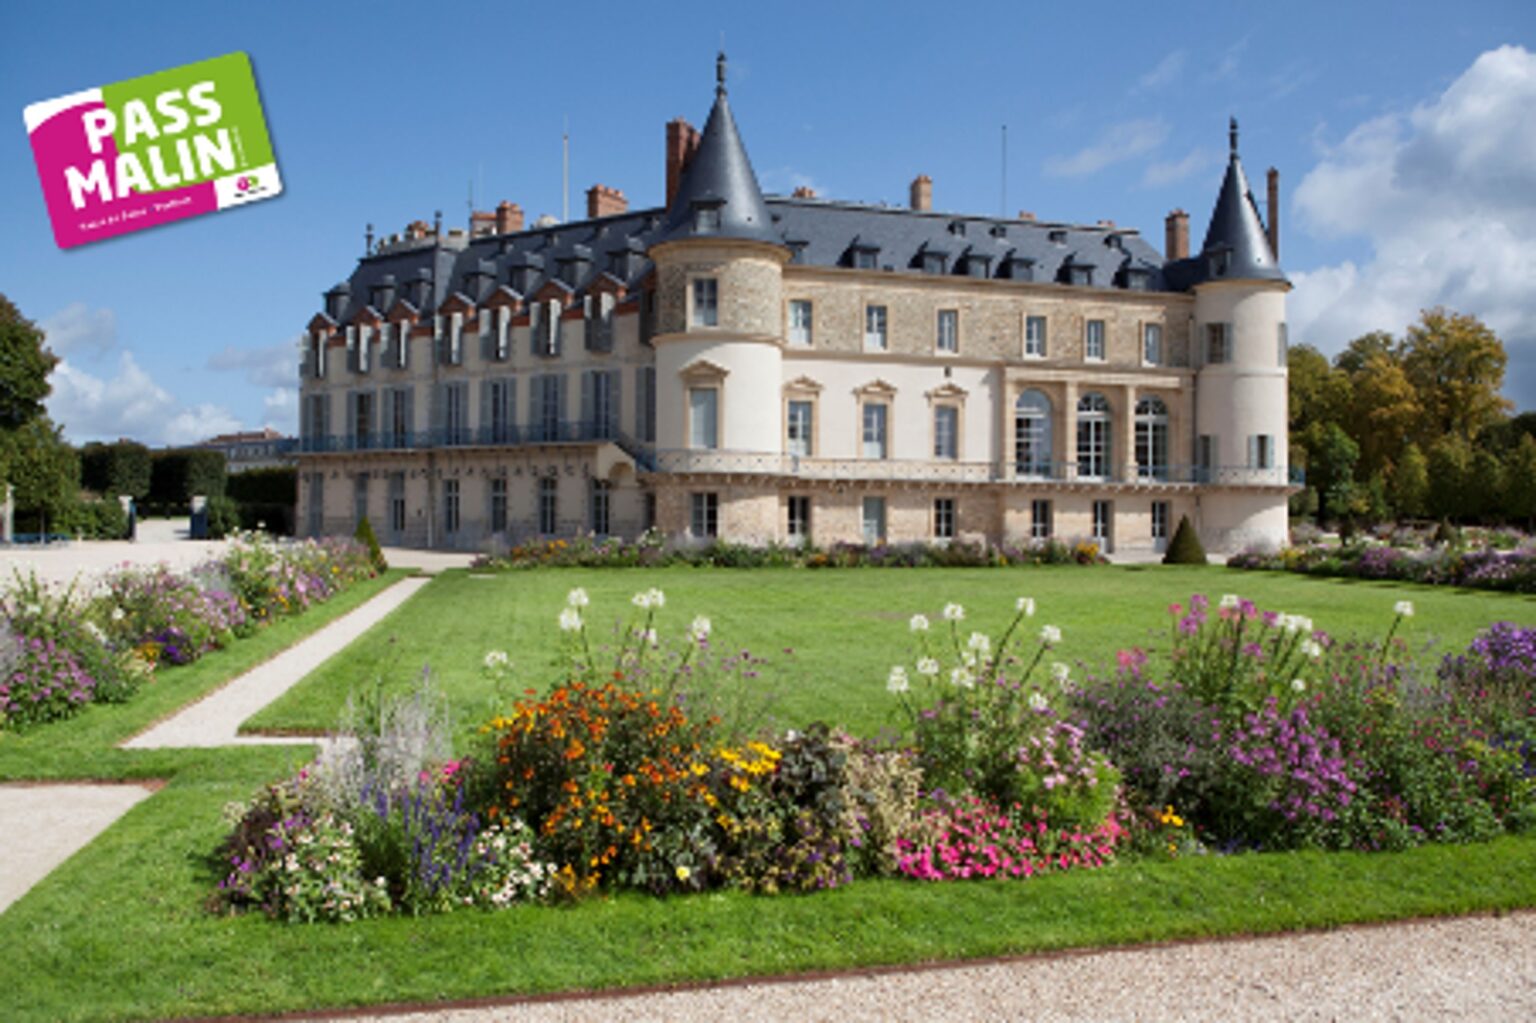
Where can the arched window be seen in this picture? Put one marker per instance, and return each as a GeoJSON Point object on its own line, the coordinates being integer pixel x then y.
{"type": "Point", "coordinates": [1152, 438]}
{"type": "Point", "coordinates": [1093, 450]}
{"type": "Point", "coordinates": [1032, 434]}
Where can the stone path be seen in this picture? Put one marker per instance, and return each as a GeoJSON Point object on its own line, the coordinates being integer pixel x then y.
{"type": "Point", "coordinates": [1471, 968]}
{"type": "Point", "coordinates": [41, 826]}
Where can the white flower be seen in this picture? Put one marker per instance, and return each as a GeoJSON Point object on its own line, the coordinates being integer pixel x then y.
{"type": "Point", "coordinates": [897, 682]}
{"type": "Point", "coordinates": [928, 666]}
{"type": "Point", "coordinates": [658, 599]}
{"type": "Point", "coordinates": [570, 619]}
{"type": "Point", "coordinates": [577, 598]}
{"type": "Point", "coordinates": [968, 658]}
{"type": "Point", "coordinates": [1025, 606]}
{"type": "Point", "coordinates": [979, 643]}
{"type": "Point", "coordinates": [1289, 622]}
{"type": "Point", "coordinates": [649, 636]}
{"type": "Point", "coordinates": [1298, 685]}
{"type": "Point", "coordinates": [1038, 702]}
{"type": "Point", "coordinates": [919, 623]}
{"type": "Point", "coordinates": [118, 614]}
{"type": "Point", "coordinates": [497, 659]}
{"type": "Point", "coordinates": [1404, 608]}
{"type": "Point", "coordinates": [651, 600]}
{"type": "Point", "coordinates": [32, 610]}
{"type": "Point", "coordinates": [1061, 671]}
{"type": "Point", "coordinates": [953, 613]}
{"type": "Point", "coordinates": [1312, 648]}
{"type": "Point", "coordinates": [962, 678]}
{"type": "Point", "coordinates": [95, 631]}
{"type": "Point", "coordinates": [699, 630]}
{"type": "Point", "coordinates": [1229, 601]}
{"type": "Point", "coordinates": [1050, 635]}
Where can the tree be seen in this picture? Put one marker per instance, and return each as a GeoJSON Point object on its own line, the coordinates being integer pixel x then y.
{"type": "Point", "coordinates": [43, 469]}
{"type": "Point", "coordinates": [1332, 469]}
{"type": "Point", "coordinates": [1520, 483]}
{"type": "Point", "coordinates": [25, 363]}
{"type": "Point", "coordinates": [1457, 366]}
{"type": "Point", "coordinates": [1485, 485]}
{"type": "Point", "coordinates": [120, 468]}
{"type": "Point", "coordinates": [1450, 471]}
{"type": "Point", "coordinates": [1384, 411]}
{"type": "Point", "coordinates": [1318, 393]}
{"type": "Point", "coordinates": [1410, 484]}
{"type": "Point", "coordinates": [1185, 547]}
{"type": "Point", "coordinates": [1360, 351]}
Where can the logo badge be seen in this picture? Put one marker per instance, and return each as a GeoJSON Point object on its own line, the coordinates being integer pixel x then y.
{"type": "Point", "coordinates": [150, 150]}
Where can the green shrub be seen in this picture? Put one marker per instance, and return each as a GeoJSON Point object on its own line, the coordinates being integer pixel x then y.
{"type": "Point", "coordinates": [223, 517]}
{"type": "Point", "coordinates": [1185, 548]}
{"type": "Point", "coordinates": [99, 520]}
{"type": "Point", "coordinates": [366, 537]}
{"type": "Point", "coordinates": [119, 468]}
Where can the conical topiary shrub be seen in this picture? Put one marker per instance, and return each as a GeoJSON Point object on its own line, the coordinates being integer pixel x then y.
{"type": "Point", "coordinates": [1185, 547]}
{"type": "Point", "coordinates": [364, 535]}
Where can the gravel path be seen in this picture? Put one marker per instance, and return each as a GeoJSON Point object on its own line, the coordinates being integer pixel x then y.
{"type": "Point", "coordinates": [1473, 968]}
{"type": "Point", "coordinates": [41, 826]}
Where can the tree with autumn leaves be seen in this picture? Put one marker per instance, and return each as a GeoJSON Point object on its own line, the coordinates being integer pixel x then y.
{"type": "Point", "coordinates": [1413, 427]}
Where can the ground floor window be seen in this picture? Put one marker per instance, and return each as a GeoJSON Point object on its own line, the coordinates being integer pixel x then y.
{"type": "Point", "coordinates": [498, 506]}
{"type": "Point", "coordinates": [1040, 519]}
{"type": "Point", "coordinates": [1103, 513]}
{"type": "Point", "coordinates": [359, 499]}
{"type": "Point", "coordinates": [316, 504]}
{"type": "Point", "coordinates": [944, 518]}
{"type": "Point", "coordinates": [397, 503]}
{"type": "Point", "coordinates": [799, 509]}
{"type": "Point", "coordinates": [600, 496]}
{"type": "Point", "coordinates": [549, 523]}
{"type": "Point", "coordinates": [450, 506]}
{"type": "Point", "coordinates": [1160, 524]}
{"type": "Point", "coordinates": [704, 515]}
{"type": "Point", "coordinates": [650, 511]}
{"type": "Point", "coordinates": [874, 520]}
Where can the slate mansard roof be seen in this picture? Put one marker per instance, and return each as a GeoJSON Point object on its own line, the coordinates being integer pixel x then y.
{"type": "Point", "coordinates": [817, 232]}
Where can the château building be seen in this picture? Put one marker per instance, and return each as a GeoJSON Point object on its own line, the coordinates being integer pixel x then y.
{"type": "Point", "coordinates": [783, 369]}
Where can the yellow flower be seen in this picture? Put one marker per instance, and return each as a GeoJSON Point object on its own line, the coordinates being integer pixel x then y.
{"type": "Point", "coordinates": [1169, 817]}
{"type": "Point", "coordinates": [683, 873]}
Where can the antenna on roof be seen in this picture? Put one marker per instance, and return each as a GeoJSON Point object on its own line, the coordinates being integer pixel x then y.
{"type": "Point", "coordinates": [1232, 134]}
{"type": "Point", "coordinates": [1002, 210]}
{"type": "Point", "coordinates": [565, 172]}
{"type": "Point", "coordinates": [469, 203]}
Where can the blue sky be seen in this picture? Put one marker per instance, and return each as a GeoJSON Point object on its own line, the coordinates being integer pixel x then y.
{"type": "Point", "coordinates": [1405, 134]}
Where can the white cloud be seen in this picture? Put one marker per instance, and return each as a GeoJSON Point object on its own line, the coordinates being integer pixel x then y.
{"type": "Point", "coordinates": [79, 330]}
{"type": "Point", "coordinates": [1118, 142]}
{"type": "Point", "coordinates": [128, 403]}
{"type": "Point", "coordinates": [1169, 172]}
{"type": "Point", "coordinates": [1446, 195]}
{"type": "Point", "coordinates": [275, 365]}
{"type": "Point", "coordinates": [280, 409]}
{"type": "Point", "coordinates": [1227, 66]}
{"type": "Point", "coordinates": [1165, 73]}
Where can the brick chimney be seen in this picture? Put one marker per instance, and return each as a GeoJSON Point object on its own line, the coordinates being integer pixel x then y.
{"type": "Point", "coordinates": [682, 141]}
{"type": "Point", "coordinates": [922, 193]}
{"type": "Point", "coordinates": [1274, 212]}
{"type": "Point", "coordinates": [1176, 245]}
{"type": "Point", "coordinates": [481, 223]}
{"type": "Point", "coordinates": [417, 229]}
{"type": "Point", "coordinates": [803, 192]}
{"type": "Point", "coordinates": [509, 217]}
{"type": "Point", "coordinates": [603, 201]}
{"type": "Point", "coordinates": [1026, 216]}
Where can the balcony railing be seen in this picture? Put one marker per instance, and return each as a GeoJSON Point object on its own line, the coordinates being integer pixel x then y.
{"type": "Point", "coordinates": [506, 435]}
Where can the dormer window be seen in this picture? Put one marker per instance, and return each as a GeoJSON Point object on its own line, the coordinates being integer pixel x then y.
{"type": "Point", "coordinates": [1057, 237]}
{"type": "Point", "coordinates": [1018, 268]}
{"type": "Point", "coordinates": [863, 255]}
{"type": "Point", "coordinates": [600, 322]}
{"type": "Point", "coordinates": [1138, 278]}
{"type": "Point", "coordinates": [1080, 275]}
{"type": "Point", "coordinates": [932, 261]}
{"type": "Point", "coordinates": [706, 216]}
{"type": "Point", "coordinates": [1114, 241]}
{"type": "Point", "coordinates": [978, 266]}
{"type": "Point", "coordinates": [998, 231]}
{"type": "Point", "coordinates": [957, 227]}
{"type": "Point", "coordinates": [797, 251]}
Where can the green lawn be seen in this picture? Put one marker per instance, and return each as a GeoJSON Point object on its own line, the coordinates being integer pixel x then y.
{"type": "Point", "coordinates": [846, 627]}
{"type": "Point", "coordinates": [120, 931]}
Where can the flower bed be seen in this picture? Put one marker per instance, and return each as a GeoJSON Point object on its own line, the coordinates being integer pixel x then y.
{"type": "Point", "coordinates": [62, 648]}
{"type": "Point", "coordinates": [1495, 565]}
{"type": "Point", "coordinates": [641, 768]}
{"type": "Point", "coordinates": [652, 551]}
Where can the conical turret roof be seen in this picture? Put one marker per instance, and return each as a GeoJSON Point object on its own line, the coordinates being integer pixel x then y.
{"type": "Point", "coordinates": [1236, 245]}
{"type": "Point", "coordinates": [718, 196]}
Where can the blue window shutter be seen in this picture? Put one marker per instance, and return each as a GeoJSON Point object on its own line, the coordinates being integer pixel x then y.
{"type": "Point", "coordinates": [536, 407]}
{"type": "Point", "coordinates": [615, 388]}
{"type": "Point", "coordinates": [510, 393]}
{"type": "Point", "coordinates": [588, 386]}
{"type": "Point", "coordinates": [560, 393]}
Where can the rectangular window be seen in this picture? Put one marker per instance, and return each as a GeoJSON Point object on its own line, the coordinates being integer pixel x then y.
{"type": "Point", "coordinates": [946, 432]}
{"type": "Point", "coordinates": [399, 418]}
{"type": "Point", "coordinates": [1093, 341]}
{"type": "Point", "coordinates": [799, 426]}
{"type": "Point", "coordinates": [600, 403]}
{"type": "Point", "coordinates": [645, 404]}
{"type": "Point", "coordinates": [874, 430]}
{"type": "Point", "coordinates": [873, 518]}
{"type": "Point", "coordinates": [1152, 344]}
{"type": "Point", "coordinates": [944, 518]}
{"type": "Point", "coordinates": [703, 418]}
{"type": "Point", "coordinates": [1261, 451]}
{"type": "Point", "coordinates": [502, 403]}
{"type": "Point", "coordinates": [362, 422]}
{"type": "Point", "coordinates": [799, 508]}
{"type": "Point", "coordinates": [359, 500]}
{"type": "Point", "coordinates": [450, 506]}
{"type": "Point", "coordinates": [800, 323]}
{"type": "Point", "coordinates": [316, 503]}
{"type": "Point", "coordinates": [1034, 337]}
{"type": "Point", "coordinates": [874, 328]}
{"type": "Point", "coordinates": [1283, 345]}
{"type": "Point", "coordinates": [1218, 343]}
{"type": "Point", "coordinates": [706, 307]}
{"type": "Point", "coordinates": [704, 515]}
{"type": "Point", "coordinates": [600, 496]}
{"type": "Point", "coordinates": [1205, 455]}
{"type": "Point", "coordinates": [1159, 523]}
{"type": "Point", "coordinates": [397, 503]}
{"type": "Point", "coordinates": [1040, 519]}
{"type": "Point", "coordinates": [456, 413]}
{"type": "Point", "coordinates": [498, 506]}
{"type": "Point", "coordinates": [1103, 512]}
{"type": "Point", "coordinates": [550, 406]}
{"type": "Point", "coordinates": [549, 492]}
{"type": "Point", "coordinates": [949, 331]}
